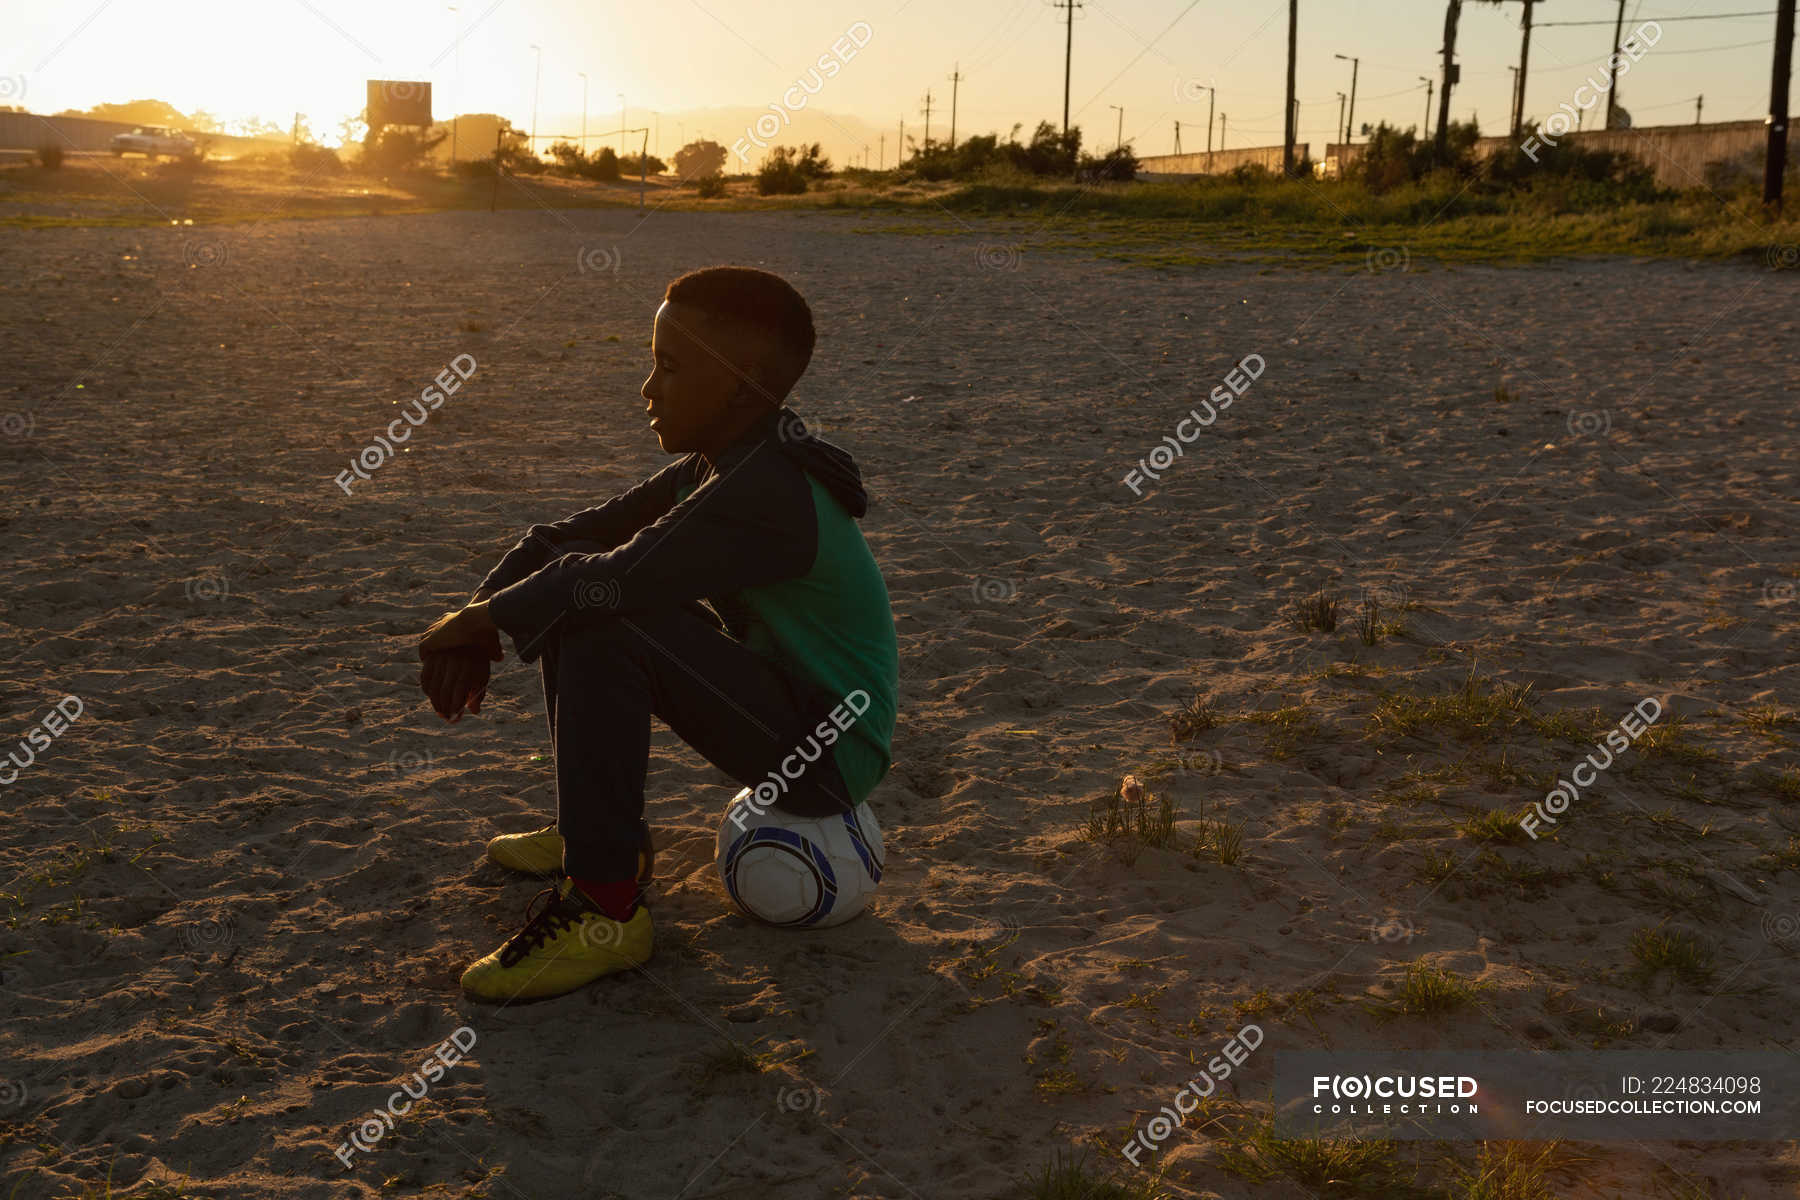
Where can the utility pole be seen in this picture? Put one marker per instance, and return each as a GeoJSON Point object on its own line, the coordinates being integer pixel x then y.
{"type": "Point", "coordinates": [536, 74]}
{"type": "Point", "coordinates": [1612, 90]}
{"type": "Point", "coordinates": [955, 81]}
{"type": "Point", "coordinates": [1518, 113]}
{"type": "Point", "coordinates": [1221, 131]}
{"type": "Point", "coordinates": [1209, 121]}
{"type": "Point", "coordinates": [584, 91]}
{"type": "Point", "coordinates": [1452, 11]}
{"type": "Point", "coordinates": [1119, 138]}
{"type": "Point", "coordinates": [881, 162]}
{"type": "Point", "coordinates": [1350, 121]}
{"type": "Point", "coordinates": [928, 120]}
{"type": "Point", "coordinates": [865, 156]}
{"type": "Point", "coordinates": [1178, 137]}
{"type": "Point", "coordinates": [1778, 106]}
{"type": "Point", "coordinates": [1512, 105]}
{"type": "Point", "coordinates": [1287, 140]}
{"type": "Point", "coordinates": [1068, 56]}
{"type": "Point", "coordinates": [1425, 129]}
{"type": "Point", "coordinates": [900, 146]}
{"type": "Point", "coordinates": [1341, 98]}
{"type": "Point", "coordinates": [621, 126]}
{"type": "Point", "coordinates": [1699, 103]}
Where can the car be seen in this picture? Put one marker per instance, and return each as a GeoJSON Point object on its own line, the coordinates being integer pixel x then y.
{"type": "Point", "coordinates": [152, 140]}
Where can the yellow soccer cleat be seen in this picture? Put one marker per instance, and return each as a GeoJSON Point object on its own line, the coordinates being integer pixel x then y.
{"type": "Point", "coordinates": [567, 942]}
{"type": "Point", "coordinates": [540, 852]}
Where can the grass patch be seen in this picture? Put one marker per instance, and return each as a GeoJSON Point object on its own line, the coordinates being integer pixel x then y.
{"type": "Point", "coordinates": [1333, 1166]}
{"type": "Point", "coordinates": [1291, 729]}
{"type": "Point", "coordinates": [1508, 1171]}
{"type": "Point", "coordinates": [1195, 718]}
{"type": "Point", "coordinates": [1677, 951]}
{"type": "Point", "coordinates": [1070, 1178]}
{"type": "Point", "coordinates": [1133, 817]}
{"type": "Point", "coordinates": [1426, 990]}
{"type": "Point", "coordinates": [1495, 825]}
{"type": "Point", "coordinates": [1673, 741]}
{"type": "Point", "coordinates": [1481, 711]}
{"type": "Point", "coordinates": [1317, 611]}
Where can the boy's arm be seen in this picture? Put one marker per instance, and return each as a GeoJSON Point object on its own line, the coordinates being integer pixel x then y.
{"type": "Point", "coordinates": [753, 524]}
{"type": "Point", "coordinates": [610, 523]}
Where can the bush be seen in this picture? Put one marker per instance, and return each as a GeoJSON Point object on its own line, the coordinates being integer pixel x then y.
{"type": "Point", "coordinates": [1119, 163]}
{"type": "Point", "coordinates": [398, 149]}
{"type": "Point", "coordinates": [50, 155]}
{"type": "Point", "coordinates": [474, 168]}
{"type": "Point", "coordinates": [309, 157]}
{"type": "Point", "coordinates": [780, 174]}
{"type": "Point", "coordinates": [711, 186]}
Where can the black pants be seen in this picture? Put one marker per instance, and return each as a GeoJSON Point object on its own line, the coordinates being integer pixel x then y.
{"type": "Point", "coordinates": [605, 676]}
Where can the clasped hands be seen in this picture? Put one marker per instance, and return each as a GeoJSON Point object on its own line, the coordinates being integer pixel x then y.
{"type": "Point", "coordinates": [455, 653]}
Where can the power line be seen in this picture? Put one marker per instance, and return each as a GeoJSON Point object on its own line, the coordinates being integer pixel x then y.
{"type": "Point", "coordinates": [1659, 20]}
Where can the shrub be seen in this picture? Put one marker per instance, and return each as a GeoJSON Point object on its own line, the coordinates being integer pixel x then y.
{"type": "Point", "coordinates": [50, 155]}
{"type": "Point", "coordinates": [711, 186]}
{"type": "Point", "coordinates": [310, 157]}
{"type": "Point", "coordinates": [780, 174]}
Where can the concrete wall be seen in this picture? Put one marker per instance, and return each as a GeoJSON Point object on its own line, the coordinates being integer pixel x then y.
{"type": "Point", "coordinates": [28, 131]}
{"type": "Point", "coordinates": [1682, 156]}
{"type": "Point", "coordinates": [1216, 162]}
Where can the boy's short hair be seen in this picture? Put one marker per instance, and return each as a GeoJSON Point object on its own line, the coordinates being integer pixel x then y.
{"type": "Point", "coordinates": [761, 303]}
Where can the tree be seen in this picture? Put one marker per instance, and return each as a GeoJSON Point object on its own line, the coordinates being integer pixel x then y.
{"type": "Point", "coordinates": [780, 173]}
{"type": "Point", "coordinates": [700, 159]}
{"type": "Point", "coordinates": [133, 112]}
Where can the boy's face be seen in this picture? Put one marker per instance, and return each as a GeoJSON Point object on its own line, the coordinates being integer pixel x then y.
{"type": "Point", "coordinates": [697, 370]}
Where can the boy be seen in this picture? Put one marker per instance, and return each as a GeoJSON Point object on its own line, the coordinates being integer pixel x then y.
{"type": "Point", "coordinates": [758, 518]}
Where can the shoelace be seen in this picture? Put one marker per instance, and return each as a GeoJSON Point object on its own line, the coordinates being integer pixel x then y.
{"type": "Point", "coordinates": [540, 925]}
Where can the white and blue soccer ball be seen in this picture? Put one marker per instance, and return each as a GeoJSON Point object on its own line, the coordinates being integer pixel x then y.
{"type": "Point", "coordinates": [798, 871]}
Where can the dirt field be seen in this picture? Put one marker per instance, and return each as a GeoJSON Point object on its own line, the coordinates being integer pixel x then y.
{"type": "Point", "coordinates": [242, 882]}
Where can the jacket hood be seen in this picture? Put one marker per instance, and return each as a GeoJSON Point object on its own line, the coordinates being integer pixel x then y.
{"type": "Point", "coordinates": [830, 464]}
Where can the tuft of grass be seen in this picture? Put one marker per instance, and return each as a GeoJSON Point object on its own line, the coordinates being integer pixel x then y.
{"type": "Point", "coordinates": [1348, 1166]}
{"type": "Point", "coordinates": [1426, 989]}
{"type": "Point", "coordinates": [1436, 866]}
{"type": "Point", "coordinates": [1673, 740]}
{"type": "Point", "coordinates": [1495, 825]}
{"type": "Point", "coordinates": [1291, 729]}
{"type": "Point", "coordinates": [1195, 718]}
{"type": "Point", "coordinates": [1508, 1171]}
{"type": "Point", "coordinates": [1317, 611]}
{"type": "Point", "coordinates": [1480, 711]}
{"type": "Point", "coordinates": [1675, 950]}
{"type": "Point", "coordinates": [1115, 818]}
{"type": "Point", "coordinates": [1070, 1178]}
{"type": "Point", "coordinates": [1368, 622]}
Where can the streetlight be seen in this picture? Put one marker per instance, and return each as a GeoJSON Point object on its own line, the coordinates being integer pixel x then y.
{"type": "Point", "coordinates": [1341, 99]}
{"type": "Point", "coordinates": [1350, 122]}
{"type": "Point", "coordinates": [536, 74]}
{"type": "Point", "coordinates": [1119, 139]}
{"type": "Point", "coordinates": [453, 116]}
{"type": "Point", "coordinates": [583, 75]}
{"type": "Point", "coordinates": [1210, 97]}
{"type": "Point", "coordinates": [1429, 83]}
{"type": "Point", "coordinates": [1515, 93]}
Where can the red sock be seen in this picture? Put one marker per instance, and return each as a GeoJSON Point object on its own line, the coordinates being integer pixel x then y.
{"type": "Point", "coordinates": [617, 898]}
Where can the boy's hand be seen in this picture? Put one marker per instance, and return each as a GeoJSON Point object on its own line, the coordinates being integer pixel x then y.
{"type": "Point", "coordinates": [454, 655]}
{"type": "Point", "coordinates": [453, 679]}
{"type": "Point", "coordinates": [470, 626]}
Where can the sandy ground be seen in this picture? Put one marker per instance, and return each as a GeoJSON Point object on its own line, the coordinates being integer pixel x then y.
{"type": "Point", "coordinates": [241, 885]}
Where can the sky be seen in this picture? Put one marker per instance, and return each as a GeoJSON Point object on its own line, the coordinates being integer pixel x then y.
{"type": "Point", "coordinates": [707, 66]}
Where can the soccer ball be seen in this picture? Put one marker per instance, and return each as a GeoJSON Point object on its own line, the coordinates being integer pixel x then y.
{"type": "Point", "coordinates": [798, 871]}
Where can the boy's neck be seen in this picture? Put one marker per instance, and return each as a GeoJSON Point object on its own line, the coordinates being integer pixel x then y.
{"type": "Point", "coordinates": [752, 430]}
